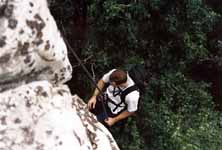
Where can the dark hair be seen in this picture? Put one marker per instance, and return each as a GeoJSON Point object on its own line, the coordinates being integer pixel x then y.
{"type": "Point", "coordinates": [118, 76]}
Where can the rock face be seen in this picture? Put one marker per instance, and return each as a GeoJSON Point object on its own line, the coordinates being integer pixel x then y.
{"type": "Point", "coordinates": [37, 111]}
{"type": "Point", "coordinates": [40, 116]}
{"type": "Point", "coordinates": [31, 48]}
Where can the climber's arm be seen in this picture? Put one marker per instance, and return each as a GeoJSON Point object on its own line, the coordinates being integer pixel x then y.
{"type": "Point", "coordinates": [121, 116]}
{"type": "Point", "coordinates": [92, 101]}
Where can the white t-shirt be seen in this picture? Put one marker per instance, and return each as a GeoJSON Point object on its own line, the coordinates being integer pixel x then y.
{"type": "Point", "coordinates": [131, 99]}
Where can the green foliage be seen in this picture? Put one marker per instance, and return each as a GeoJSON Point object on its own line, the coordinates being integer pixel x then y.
{"type": "Point", "coordinates": [168, 37]}
{"type": "Point", "coordinates": [62, 15]}
{"type": "Point", "coordinates": [164, 33]}
{"type": "Point", "coordinates": [178, 114]}
{"type": "Point", "coordinates": [200, 18]}
{"type": "Point", "coordinates": [195, 46]}
{"type": "Point", "coordinates": [132, 141]}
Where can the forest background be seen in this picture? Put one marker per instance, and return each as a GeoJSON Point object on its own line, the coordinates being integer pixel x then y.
{"type": "Point", "coordinates": [180, 44]}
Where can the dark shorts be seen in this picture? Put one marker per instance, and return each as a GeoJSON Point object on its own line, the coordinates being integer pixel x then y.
{"type": "Point", "coordinates": [99, 109]}
{"type": "Point", "coordinates": [100, 113]}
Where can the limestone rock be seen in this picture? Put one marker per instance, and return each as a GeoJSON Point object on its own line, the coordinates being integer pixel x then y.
{"type": "Point", "coordinates": [42, 116]}
{"type": "Point", "coordinates": [37, 111]}
{"type": "Point", "coordinates": [31, 47]}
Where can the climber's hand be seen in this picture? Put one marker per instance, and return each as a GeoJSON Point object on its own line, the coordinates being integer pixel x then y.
{"type": "Point", "coordinates": [110, 121]}
{"type": "Point", "coordinates": [91, 103]}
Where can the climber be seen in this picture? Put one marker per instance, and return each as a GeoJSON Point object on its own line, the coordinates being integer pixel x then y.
{"type": "Point", "coordinates": [120, 97]}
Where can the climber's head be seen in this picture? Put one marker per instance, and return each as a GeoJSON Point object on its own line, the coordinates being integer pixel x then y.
{"type": "Point", "coordinates": [118, 77]}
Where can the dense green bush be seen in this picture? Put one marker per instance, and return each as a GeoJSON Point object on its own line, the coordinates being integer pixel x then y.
{"type": "Point", "coordinates": [168, 37]}
{"type": "Point", "coordinates": [178, 114]}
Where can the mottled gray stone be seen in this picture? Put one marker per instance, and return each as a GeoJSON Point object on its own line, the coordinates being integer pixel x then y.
{"type": "Point", "coordinates": [37, 111]}
{"type": "Point", "coordinates": [26, 40]}
{"type": "Point", "coordinates": [42, 114]}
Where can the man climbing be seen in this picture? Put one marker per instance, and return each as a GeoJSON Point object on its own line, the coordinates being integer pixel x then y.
{"type": "Point", "coordinates": [120, 100]}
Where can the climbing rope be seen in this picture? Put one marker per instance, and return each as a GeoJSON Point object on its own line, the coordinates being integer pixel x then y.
{"type": "Point", "coordinates": [84, 68]}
